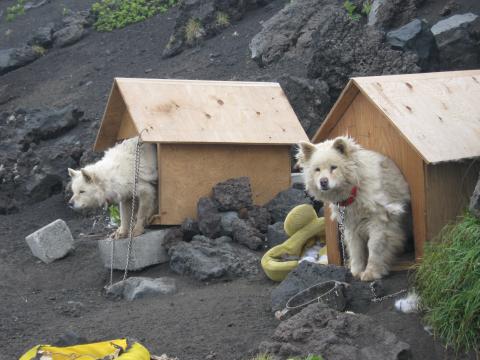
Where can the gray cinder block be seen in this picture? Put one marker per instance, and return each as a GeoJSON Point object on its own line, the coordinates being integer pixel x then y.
{"type": "Point", "coordinates": [147, 250]}
{"type": "Point", "coordinates": [51, 242]}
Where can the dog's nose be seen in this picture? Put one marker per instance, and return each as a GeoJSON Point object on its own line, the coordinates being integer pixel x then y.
{"type": "Point", "coordinates": [324, 183]}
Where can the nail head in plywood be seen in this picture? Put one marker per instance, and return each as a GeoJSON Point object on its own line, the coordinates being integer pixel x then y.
{"type": "Point", "coordinates": [215, 112]}
{"type": "Point", "coordinates": [438, 114]}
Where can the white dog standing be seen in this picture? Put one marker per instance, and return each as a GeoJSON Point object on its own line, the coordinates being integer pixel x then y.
{"type": "Point", "coordinates": [110, 180]}
{"type": "Point", "coordinates": [372, 191]}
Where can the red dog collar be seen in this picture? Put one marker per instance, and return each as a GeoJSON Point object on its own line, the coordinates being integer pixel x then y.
{"type": "Point", "coordinates": [351, 199]}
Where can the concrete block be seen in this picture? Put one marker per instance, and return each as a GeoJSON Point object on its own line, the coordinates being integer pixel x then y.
{"type": "Point", "coordinates": [51, 242]}
{"type": "Point", "coordinates": [147, 250]}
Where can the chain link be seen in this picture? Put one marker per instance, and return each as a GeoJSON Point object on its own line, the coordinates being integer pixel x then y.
{"type": "Point", "coordinates": [112, 252]}
{"type": "Point", "coordinates": [136, 169]}
{"type": "Point", "coordinates": [376, 299]}
{"type": "Point", "coordinates": [130, 249]}
{"type": "Point", "coordinates": [341, 229]}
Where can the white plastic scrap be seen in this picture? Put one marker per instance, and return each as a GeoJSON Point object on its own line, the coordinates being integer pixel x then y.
{"type": "Point", "coordinates": [408, 304]}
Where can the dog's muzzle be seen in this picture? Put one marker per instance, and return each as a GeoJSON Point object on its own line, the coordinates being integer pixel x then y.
{"type": "Point", "coordinates": [324, 184]}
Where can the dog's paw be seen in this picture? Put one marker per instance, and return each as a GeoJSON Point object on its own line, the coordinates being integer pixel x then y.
{"type": "Point", "coordinates": [370, 275]}
{"type": "Point", "coordinates": [137, 231]}
{"type": "Point", "coordinates": [356, 274]}
{"type": "Point", "coordinates": [119, 234]}
{"type": "Point", "coordinates": [356, 268]}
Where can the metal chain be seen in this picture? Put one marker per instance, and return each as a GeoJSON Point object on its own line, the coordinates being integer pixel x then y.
{"type": "Point", "coordinates": [111, 260]}
{"type": "Point", "coordinates": [341, 229]}
{"type": "Point", "coordinates": [130, 249]}
{"type": "Point", "coordinates": [376, 299]}
{"type": "Point", "coordinates": [136, 170]}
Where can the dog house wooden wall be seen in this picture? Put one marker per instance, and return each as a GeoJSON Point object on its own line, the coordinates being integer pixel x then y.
{"type": "Point", "coordinates": [429, 124]}
{"type": "Point", "coordinates": [206, 132]}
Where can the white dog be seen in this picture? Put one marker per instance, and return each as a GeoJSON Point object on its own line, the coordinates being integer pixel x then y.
{"type": "Point", "coordinates": [374, 194]}
{"type": "Point", "coordinates": [110, 180]}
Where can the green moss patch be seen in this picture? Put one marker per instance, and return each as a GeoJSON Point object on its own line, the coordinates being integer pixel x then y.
{"type": "Point", "coordinates": [115, 14]}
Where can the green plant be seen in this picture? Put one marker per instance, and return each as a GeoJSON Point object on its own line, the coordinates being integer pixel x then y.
{"type": "Point", "coordinates": [114, 214]}
{"type": "Point", "coordinates": [448, 282]}
{"type": "Point", "coordinates": [222, 19]}
{"type": "Point", "coordinates": [15, 10]}
{"type": "Point", "coordinates": [367, 7]}
{"type": "Point", "coordinates": [114, 14]}
{"type": "Point", "coordinates": [193, 31]}
{"type": "Point", "coordinates": [351, 10]}
{"type": "Point", "coordinates": [262, 357]}
{"type": "Point", "coordinates": [39, 50]}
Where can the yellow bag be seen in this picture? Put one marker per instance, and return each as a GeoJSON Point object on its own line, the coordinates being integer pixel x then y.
{"type": "Point", "coordinates": [114, 349]}
{"type": "Point", "coordinates": [302, 225]}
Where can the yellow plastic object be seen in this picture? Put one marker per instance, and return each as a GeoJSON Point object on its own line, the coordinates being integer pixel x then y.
{"type": "Point", "coordinates": [92, 351]}
{"type": "Point", "coordinates": [303, 226]}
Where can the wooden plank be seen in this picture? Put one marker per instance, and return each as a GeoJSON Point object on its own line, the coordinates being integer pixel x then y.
{"type": "Point", "coordinates": [373, 131]}
{"type": "Point", "coordinates": [449, 187]}
{"type": "Point", "coordinates": [345, 99]}
{"type": "Point", "coordinates": [157, 219]}
{"type": "Point", "coordinates": [198, 82]}
{"type": "Point", "coordinates": [438, 114]}
{"type": "Point", "coordinates": [188, 172]}
{"type": "Point", "coordinates": [127, 127]}
{"type": "Point", "coordinates": [107, 135]}
{"type": "Point", "coordinates": [211, 112]}
{"type": "Point", "coordinates": [331, 233]}
{"type": "Point", "coordinates": [418, 76]}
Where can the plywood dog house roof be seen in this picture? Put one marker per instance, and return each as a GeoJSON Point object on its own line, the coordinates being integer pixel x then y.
{"type": "Point", "coordinates": [437, 113]}
{"type": "Point", "coordinates": [208, 112]}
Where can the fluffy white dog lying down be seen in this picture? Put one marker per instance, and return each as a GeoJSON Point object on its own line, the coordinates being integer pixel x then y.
{"type": "Point", "coordinates": [374, 194]}
{"type": "Point", "coordinates": [110, 180]}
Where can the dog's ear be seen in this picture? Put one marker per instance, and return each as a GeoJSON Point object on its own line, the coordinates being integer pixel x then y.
{"type": "Point", "coordinates": [344, 145]}
{"type": "Point", "coordinates": [73, 173]}
{"type": "Point", "coordinates": [87, 176]}
{"type": "Point", "coordinates": [305, 152]}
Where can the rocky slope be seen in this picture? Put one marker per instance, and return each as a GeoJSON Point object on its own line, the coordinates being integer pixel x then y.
{"type": "Point", "coordinates": [52, 58]}
{"type": "Point", "coordinates": [57, 69]}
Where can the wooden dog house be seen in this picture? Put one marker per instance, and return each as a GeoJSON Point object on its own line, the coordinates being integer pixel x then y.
{"type": "Point", "coordinates": [429, 124]}
{"type": "Point", "coordinates": [206, 132]}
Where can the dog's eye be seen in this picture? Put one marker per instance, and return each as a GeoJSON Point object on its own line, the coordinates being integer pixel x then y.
{"type": "Point", "coordinates": [333, 167]}
{"type": "Point", "coordinates": [317, 169]}
{"type": "Point", "coordinates": [82, 191]}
